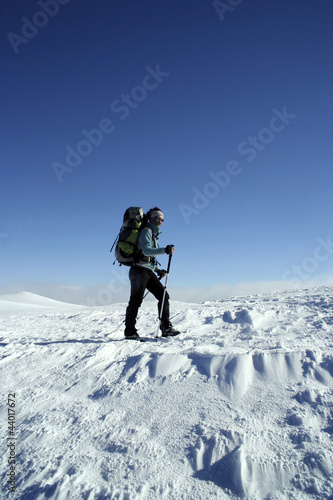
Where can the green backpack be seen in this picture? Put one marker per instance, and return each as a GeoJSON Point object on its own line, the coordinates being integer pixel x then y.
{"type": "Point", "coordinates": [126, 251]}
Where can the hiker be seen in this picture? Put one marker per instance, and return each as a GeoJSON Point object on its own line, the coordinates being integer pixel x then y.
{"type": "Point", "coordinates": [142, 276]}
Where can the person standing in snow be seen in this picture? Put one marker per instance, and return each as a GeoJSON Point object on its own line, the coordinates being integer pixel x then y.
{"type": "Point", "coordinates": [142, 276]}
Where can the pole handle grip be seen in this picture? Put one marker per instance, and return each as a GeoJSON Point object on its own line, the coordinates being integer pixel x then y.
{"type": "Point", "coordinates": [169, 263]}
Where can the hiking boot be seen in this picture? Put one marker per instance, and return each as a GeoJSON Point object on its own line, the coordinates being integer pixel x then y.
{"type": "Point", "coordinates": [131, 334]}
{"type": "Point", "coordinates": [169, 331]}
{"type": "Point", "coordinates": [135, 336]}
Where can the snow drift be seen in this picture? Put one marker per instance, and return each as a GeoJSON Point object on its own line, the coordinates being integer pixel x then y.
{"type": "Point", "coordinates": [238, 406]}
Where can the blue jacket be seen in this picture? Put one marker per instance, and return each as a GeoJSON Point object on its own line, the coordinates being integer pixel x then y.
{"type": "Point", "coordinates": [148, 243]}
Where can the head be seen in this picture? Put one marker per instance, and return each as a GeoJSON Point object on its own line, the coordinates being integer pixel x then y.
{"type": "Point", "coordinates": [156, 217]}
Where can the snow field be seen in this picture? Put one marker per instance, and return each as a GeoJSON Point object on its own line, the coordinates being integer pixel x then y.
{"type": "Point", "coordinates": [238, 406]}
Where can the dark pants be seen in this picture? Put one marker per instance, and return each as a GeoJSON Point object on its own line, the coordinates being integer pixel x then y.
{"type": "Point", "coordinates": [142, 279]}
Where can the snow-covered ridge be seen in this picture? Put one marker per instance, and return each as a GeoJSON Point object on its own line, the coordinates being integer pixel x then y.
{"type": "Point", "coordinates": [31, 298]}
{"type": "Point", "coordinates": [238, 406]}
{"type": "Point", "coordinates": [26, 301]}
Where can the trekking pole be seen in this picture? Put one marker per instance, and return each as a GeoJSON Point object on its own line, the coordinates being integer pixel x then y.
{"type": "Point", "coordinates": [164, 292]}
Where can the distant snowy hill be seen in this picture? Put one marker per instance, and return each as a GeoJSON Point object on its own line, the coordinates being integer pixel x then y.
{"type": "Point", "coordinates": [25, 301]}
{"type": "Point", "coordinates": [28, 298]}
{"type": "Point", "coordinates": [238, 406]}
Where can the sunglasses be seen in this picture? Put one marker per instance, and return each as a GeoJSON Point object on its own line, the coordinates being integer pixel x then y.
{"type": "Point", "coordinates": [159, 219]}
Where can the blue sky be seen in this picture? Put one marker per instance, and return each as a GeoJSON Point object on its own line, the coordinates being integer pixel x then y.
{"type": "Point", "coordinates": [218, 112]}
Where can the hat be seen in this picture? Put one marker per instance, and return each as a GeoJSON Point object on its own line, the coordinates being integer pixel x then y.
{"type": "Point", "coordinates": [155, 214]}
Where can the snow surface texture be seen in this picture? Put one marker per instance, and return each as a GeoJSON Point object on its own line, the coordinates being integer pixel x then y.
{"type": "Point", "coordinates": [238, 406]}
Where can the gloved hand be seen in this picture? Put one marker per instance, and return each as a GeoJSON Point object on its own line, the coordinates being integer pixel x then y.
{"type": "Point", "coordinates": [169, 249]}
{"type": "Point", "coordinates": [161, 273]}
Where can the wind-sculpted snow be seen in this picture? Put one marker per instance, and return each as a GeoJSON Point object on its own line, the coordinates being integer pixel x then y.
{"type": "Point", "coordinates": [238, 406]}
